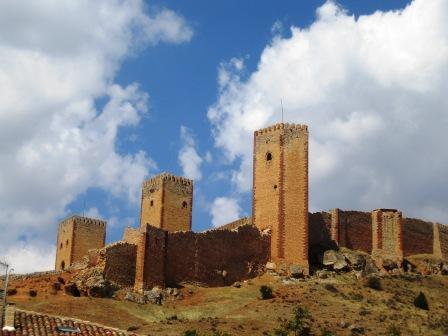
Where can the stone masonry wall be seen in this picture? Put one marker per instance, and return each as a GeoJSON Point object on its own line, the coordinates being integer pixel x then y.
{"type": "Point", "coordinates": [443, 239]}
{"type": "Point", "coordinates": [320, 230]}
{"type": "Point", "coordinates": [236, 224]}
{"type": "Point", "coordinates": [418, 237]}
{"type": "Point", "coordinates": [214, 258]}
{"type": "Point", "coordinates": [151, 257]}
{"type": "Point", "coordinates": [355, 230]}
{"type": "Point", "coordinates": [120, 263]}
{"type": "Point", "coordinates": [87, 234]}
{"type": "Point", "coordinates": [294, 191]}
{"type": "Point", "coordinates": [387, 233]}
{"type": "Point", "coordinates": [131, 235]}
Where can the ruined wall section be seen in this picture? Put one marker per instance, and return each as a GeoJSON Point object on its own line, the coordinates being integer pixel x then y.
{"type": "Point", "coordinates": [131, 235]}
{"type": "Point", "coordinates": [236, 224]}
{"type": "Point", "coordinates": [214, 258]}
{"type": "Point", "coordinates": [418, 237]}
{"type": "Point", "coordinates": [120, 262]}
{"type": "Point", "coordinates": [218, 257]}
{"type": "Point", "coordinates": [320, 230]}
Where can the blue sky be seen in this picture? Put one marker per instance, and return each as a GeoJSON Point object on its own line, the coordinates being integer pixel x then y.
{"type": "Point", "coordinates": [182, 83]}
{"type": "Point", "coordinates": [88, 120]}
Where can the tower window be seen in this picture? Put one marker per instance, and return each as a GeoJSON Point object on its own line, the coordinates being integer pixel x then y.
{"type": "Point", "coordinates": [268, 156]}
{"type": "Point", "coordinates": [62, 265]}
{"type": "Point", "coordinates": [66, 243]}
{"type": "Point", "coordinates": [151, 203]}
{"type": "Point", "coordinates": [60, 246]}
{"type": "Point", "coordinates": [275, 187]}
{"type": "Point", "coordinates": [184, 204]}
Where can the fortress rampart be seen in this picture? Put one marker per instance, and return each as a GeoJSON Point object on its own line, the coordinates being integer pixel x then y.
{"type": "Point", "coordinates": [164, 251]}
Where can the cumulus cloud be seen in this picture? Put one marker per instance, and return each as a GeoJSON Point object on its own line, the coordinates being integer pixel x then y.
{"type": "Point", "coordinates": [58, 60]}
{"type": "Point", "coordinates": [224, 210]}
{"type": "Point", "coordinates": [189, 158]}
{"type": "Point", "coordinates": [372, 90]}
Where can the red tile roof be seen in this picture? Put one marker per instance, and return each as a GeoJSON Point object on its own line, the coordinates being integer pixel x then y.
{"type": "Point", "coordinates": [36, 324]}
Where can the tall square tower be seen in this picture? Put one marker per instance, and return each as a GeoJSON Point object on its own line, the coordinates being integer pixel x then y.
{"type": "Point", "coordinates": [76, 236]}
{"type": "Point", "coordinates": [167, 203]}
{"type": "Point", "coordinates": [280, 190]}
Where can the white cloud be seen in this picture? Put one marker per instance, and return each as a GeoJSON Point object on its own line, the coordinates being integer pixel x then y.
{"type": "Point", "coordinates": [57, 60]}
{"type": "Point", "coordinates": [373, 91]}
{"type": "Point", "coordinates": [189, 158]}
{"type": "Point", "coordinates": [224, 210]}
{"type": "Point", "coordinates": [25, 258]}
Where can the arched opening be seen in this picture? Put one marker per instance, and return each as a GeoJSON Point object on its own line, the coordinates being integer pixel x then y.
{"type": "Point", "coordinates": [184, 204]}
{"type": "Point", "coordinates": [268, 156]}
{"type": "Point", "coordinates": [63, 265]}
{"type": "Point", "coordinates": [151, 203]}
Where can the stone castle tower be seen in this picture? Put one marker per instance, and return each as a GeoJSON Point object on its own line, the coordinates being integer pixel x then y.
{"type": "Point", "coordinates": [76, 236]}
{"type": "Point", "coordinates": [280, 190]}
{"type": "Point", "coordinates": [167, 203]}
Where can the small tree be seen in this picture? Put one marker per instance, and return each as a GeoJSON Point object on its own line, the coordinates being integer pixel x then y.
{"type": "Point", "coordinates": [421, 302]}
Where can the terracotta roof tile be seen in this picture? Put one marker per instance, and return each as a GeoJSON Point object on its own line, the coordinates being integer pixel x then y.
{"type": "Point", "coordinates": [36, 324]}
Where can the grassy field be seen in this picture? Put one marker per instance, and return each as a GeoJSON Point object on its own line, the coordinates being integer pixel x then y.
{"type": "Point", "coordinates": [338, 304]}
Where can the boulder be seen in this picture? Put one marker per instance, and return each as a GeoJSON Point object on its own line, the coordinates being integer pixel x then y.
{"type": "Point", "coordinates": [444, 268]}
{"type": "Point", "coordinates": [390, 264]}
{"type": "Point", "coordinates": [356, 260]}
{"type": "Point", "coordinates": [370, 267]}
{"type": "Point", "coordinates": [237, 284]}
{"type": "Point", "coordinates": [334, 259]}
{"type": "Point", "coordinates": [270, 266]}
{"type": "Point", "coordinates": [296, 271]}
{"type": "Point", "coordinates": [134, 297]}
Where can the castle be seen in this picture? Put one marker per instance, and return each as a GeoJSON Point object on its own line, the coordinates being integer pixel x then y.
{"type": "Point", "coordinates": [164, 251]}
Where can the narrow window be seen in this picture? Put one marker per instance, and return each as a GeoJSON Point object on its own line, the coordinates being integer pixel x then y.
{"type": "Point", "coordinates": [62, 265]}
{"type": "Point", "coordinates": [66, 243]}
{"type": "Point", "coordinates": [268, 156]}
{"type": "Point", "coordinates": [275, 187]}
{"type": "Point", "coordinates": [184, 204]}
{"type": "Point", "coordinates": [151, 203]}
{"type": "Point", "coordinates": [60, 246]}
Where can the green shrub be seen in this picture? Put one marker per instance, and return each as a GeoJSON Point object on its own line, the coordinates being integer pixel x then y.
{"type": "Point", "coordinates": [190, 333]}
{"type": "Point", "coordinates": [421, 302]}
{"type": "Point", "coordinates": [374, 282]}
{"type": "Point", "coordinates": [266, 292]}
{"type": "Point", "coordinates": [326, 332]}
{"type": "Point", "coordinates": [299, 325]}
{"type": "Point", "coordinates": [393, 331]}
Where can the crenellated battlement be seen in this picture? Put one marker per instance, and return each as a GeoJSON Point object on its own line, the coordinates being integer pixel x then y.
{"type": "Point", "coordinates": [281, 126]}
{"type": "Point", "coordinates": [157, 180]}
{"type": "Point", "coordinates": [85, 220]}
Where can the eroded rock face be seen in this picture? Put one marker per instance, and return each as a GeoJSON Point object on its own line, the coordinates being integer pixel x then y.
{"type": "Point", "coordinates": [91, 282]}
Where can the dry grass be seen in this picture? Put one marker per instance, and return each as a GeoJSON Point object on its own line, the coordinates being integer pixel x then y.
{"type": "Point", "coordinates": [238, 311]}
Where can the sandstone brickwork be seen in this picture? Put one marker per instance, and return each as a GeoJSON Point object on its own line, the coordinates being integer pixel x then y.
{"type": "Point", "coordinates": [214, 258]}
{"type": "Point", "coordinates": [280, 190]}
{"type": "Point", "coordinates": [131, 235]}
{"type": "Point", "coordinates": [120, 261]}
{"type": "Point", "coordinates": [352, 229]}
{"type": "Point", "coordinates": [387, 233]}
{"type": "Point", "coordinates": [418, 237]}
{"type": "Point", "coordinates": [236, 224]}
{"type": "Point", "coordinates": [76, 236]}
{"type": "Point", "coordinates": [441, 241]}
{"type": "Point", "coordinates": [167, 202]}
